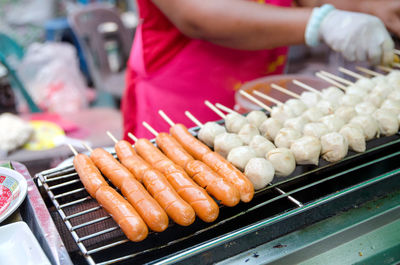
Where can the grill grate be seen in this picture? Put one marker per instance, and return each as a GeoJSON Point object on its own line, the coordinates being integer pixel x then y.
{"type": "Point", "coordinates": [100, 241]}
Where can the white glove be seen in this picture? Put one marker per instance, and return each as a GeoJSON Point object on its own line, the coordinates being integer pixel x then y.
{"type": "Point", "coordinates": [358, 36]}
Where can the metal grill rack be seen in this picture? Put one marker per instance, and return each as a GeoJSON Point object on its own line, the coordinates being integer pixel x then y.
{"type": "Point", "coordinates": [100, 240]}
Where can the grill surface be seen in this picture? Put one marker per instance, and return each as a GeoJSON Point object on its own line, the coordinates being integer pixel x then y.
{"type": "Point", "coordinates": [100, 241]}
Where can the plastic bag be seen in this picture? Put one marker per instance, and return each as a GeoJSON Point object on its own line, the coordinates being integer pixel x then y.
{"type": "Point", "coordinates": [51, 74]}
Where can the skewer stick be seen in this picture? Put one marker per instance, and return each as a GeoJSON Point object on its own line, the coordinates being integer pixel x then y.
{"type": "Point", "coordinates": [368, 71]}
{"type": "Point", "coordinates": [215, 109]}
{"type": "Point", "coordinates": [193, 119]}
{"type": "Point", "coordinates": [112, 136]}
{"type": "Point", "coordinates": [264, 96]}
{"type": "Point", "coordinates": [151, 129]}
{"type": "Point", "coordinates": [306, 87]}
{"type": "Point", "coordinates": [87, 147]}
{"type": "Point", "coordinates": [333, 82]}
{"type": "Point", "coordinates": [337, 78]}
{"type": "Point", "coordinates": [395, 51]}
{"type": "Point", "coordinates": [285, 91]}
{"type": "Point", "coordinates": [133, 137]}
{"type": "Point", "coordinates": [73, 149]}
{"type": "Point", "coordinates": [396, 65]}
{"type": "Point", "coordinates": [385, 68]}
{"type": "Point", "coordinates": [254, 100]}
{"type": "Point", "coordinates": [166, 118]}
{"type": "Point", "coordinates": [225, 108]}
{"type": "Point", "coordinates": [350, 73]}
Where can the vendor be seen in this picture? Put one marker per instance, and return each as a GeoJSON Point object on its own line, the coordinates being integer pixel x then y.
{"type": "Point", "coordinates": [188, 51]}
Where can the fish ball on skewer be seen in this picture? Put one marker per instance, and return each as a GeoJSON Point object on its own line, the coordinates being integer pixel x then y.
{"type": "Point", "coordinates": [365, 107]}
{"type": "Point", "coordinates": [306, 150]}
{"type": "Point", "coordinates": [393, 78]}
{"type": "Point", "coordinates": [383, 89]}
{"type": "Point", "coordinates": [256, 117]}
{"type": "Point", "coordinates": [209, 131]}
{"type": "Point", "coordinates": [297, 123]}
{"type": "Point", "coordinates": [346, 113]}
{"type": "Point", "coordinates": [365, 83]}
{"type": "Point", "coordinates": [312, 114]}
{"type": "Point", "coordinates": [239, 156]}
{"type": "Point", "coordinates": [375, 98]}
{"type": "Point", "coordinates": [283, 161]}
{"type": "Point", "coordinates": [234, 122]}
{"type": "Point", "coordinates": [286, 137]}
{"type": "Point", "coordinates": [354, 136]}
{"type": "Point", "coordinates": [326, 107]}
{"type": "Point", "coordinates": [333, 122]}
{"type": "Point", "coordinates": [387, 122]}
{"type": "Point", "coordinates": [297, 106]}
{"type": "Point", "coordinates": [334, 147]}
{"type": "Point", "coordinates": [270, 128]}
{"type": "Point", "coordinates": [225, 142]}
{"type": "Point", "coordinates": [350, 100]}
{"type": "Point", "coordinates": [391, 105]}
{"type": "Point", "coordinates": [316, 129]}
{"type": "Point", "coordinates": [310, 98]}
{"type": "Point", "coordinates": [357, 91]}
{"type": "Point", "coordinates": [247, 133]}
{"type": "Point", "coordinates": [281, 113]}
{"type": "Point", "coordinates": [332, 94]}
{"type": "Point", "coordinates": [260, 172]}
{"type": "Point", "coordinates": [368, 125]}
{"type": "Point", "coordinates": [394, 95]}
{"type": "Point", "coordinates": [261, 145]}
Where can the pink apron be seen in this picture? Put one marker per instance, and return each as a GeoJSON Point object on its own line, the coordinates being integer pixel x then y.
{"type": "Point", "coordinates": [200, 71]}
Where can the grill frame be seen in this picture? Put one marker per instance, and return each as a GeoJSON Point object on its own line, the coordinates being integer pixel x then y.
{"type": "Point", "coordinates": [278, 187]}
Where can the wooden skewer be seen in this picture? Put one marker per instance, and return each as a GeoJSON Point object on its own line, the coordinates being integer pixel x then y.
{"type": "Point", "coordinates": [215, 109]}
{"type": "Point", "coordinates": [350, 73]}
{"type": "Point", "coordinates": [166, 118]}
{"type": "Point", "coordinates": [337, 78]}
{"type": "Point", "coordinates": [396, 65]}
{"type": "Point", "coordinates": [151, 129]}
{"type": "Point", "coordinates": [368, 71]}
{"type": "Point", "coordinates": [264, 96]}
{"type": "Point", "coordinates": [395, 51]}
{"type": "Point", "coordinates": [385, 68]}
{"type": "Point", "coordinates": [87, 147]}
{"type": "Point", "coordinates": [306, 87]}
{"type": "Point", "coordinates": [225, 108]}
{"type": "Point", "coordinates": [254, 100]}
{"type": "Point", "coordinates": [193, 119]}
{"type": "Point", "coordinates": [285, 91]}
{"type": "Point", "coordinates": [112, 136]}
{"type": "Point", "coordinates": [333, 82]}
{"type": "Point", "coordinates": [133, 137]}
{"type": "Point", "coordinates": [73, 149]}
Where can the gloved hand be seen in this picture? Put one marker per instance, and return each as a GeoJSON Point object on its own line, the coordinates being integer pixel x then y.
{"type": "Point", "coordinates": [358, 36]}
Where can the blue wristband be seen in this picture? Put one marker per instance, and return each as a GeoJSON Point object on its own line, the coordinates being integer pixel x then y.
{"type": "Point", "coordinates": [312, 30]}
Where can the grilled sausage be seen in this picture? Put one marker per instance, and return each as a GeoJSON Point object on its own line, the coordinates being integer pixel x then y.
{"type": "Point", "coordinates": [120, 210]}
{"type": "Point", "coordinates": [88, 173]}
{"type": "Point", "coordinates": [135, 193]}
{"type": "Point", "coordinates": [204, 206]}
{"type": "Point", "coordinates": [200, 172]}
{"type": "Point", "coordinates": [157, 185]}
{"type": "Point", "coordinates": [123, 213]}
{"type": "Point", "coordinates": [215, 161]}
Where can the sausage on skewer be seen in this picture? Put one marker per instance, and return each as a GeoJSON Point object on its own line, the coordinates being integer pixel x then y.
{"type": "Point", "coordinates": [200, 172]}
{"type": "Point", "coordinates": [215, 161]}
{"type": "Point", "coordinates": [157, 185]}
{"type": "Point", "coordinates": [204, 206]}
{"type": "Point", "coordinates": [120, 210]}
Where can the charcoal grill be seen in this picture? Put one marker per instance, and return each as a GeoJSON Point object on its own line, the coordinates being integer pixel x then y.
{"type": "Point", "coordinates": [309, 195]}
